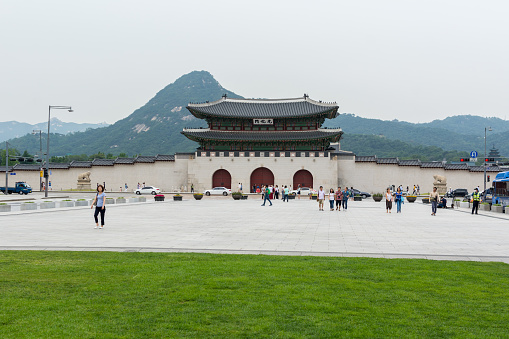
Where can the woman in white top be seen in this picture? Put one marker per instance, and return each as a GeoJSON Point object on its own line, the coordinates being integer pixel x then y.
{"type": "Point", "coordinates": [388, 201]}
{"type": "Point", "coordinates": [332, 196]}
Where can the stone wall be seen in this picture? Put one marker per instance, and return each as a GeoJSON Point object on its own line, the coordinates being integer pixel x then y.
{"type": "Point", "coordinates": [188, 169]}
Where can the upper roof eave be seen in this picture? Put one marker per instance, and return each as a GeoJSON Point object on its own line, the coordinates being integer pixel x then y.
{"type": "Point", "coordinates": [254, 108]}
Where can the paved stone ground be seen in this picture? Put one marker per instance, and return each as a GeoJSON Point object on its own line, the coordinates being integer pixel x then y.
{"type": "Point", "coordinates": [222, 225]}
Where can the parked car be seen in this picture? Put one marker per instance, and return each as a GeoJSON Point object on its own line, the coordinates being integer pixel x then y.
{"type": "Point", "coordinates": [218, 191]}
{"type": "Point", "coordinates": [458, 192]}
{"type": "Point", "coordinates": [148, 190]}
{"type": "Point", "coordinates": [20, 187]}
{"type": "Point", "coordinates": [304, 191]}
{"type": "Point", "coordinates": [364, 195]}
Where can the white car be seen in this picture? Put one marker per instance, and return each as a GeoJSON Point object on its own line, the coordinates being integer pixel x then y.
{"type": "Point", "coordinates": [148, 190]}
{"type": "Point", "coordinates": [304, 191]}
{"type": "Point", "coordinates": [218, 191]}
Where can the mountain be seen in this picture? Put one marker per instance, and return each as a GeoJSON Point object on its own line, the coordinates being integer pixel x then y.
{"type": "Point", "coordinates": [447, 136]}
{"type": "Point", "coordinates": [14, 129]}
{"type": "Point", "coordinates": [469, 124]}
{"type": "Point", "coordinates": [151, 129]}
{"type": "Point", "coordinates": [155, 128]}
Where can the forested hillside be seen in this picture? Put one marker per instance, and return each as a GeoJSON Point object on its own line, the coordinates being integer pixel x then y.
{"type": "Point", "coordinates": [155, 128]}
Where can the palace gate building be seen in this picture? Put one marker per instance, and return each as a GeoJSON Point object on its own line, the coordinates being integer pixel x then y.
{"type": "Point", "coordinates": [260, 142]}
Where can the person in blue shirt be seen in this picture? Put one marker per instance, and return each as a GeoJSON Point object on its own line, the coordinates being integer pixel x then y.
{"type": "Point", "coordinates": [346, 195]}
{"type": "Point", "coordinates": [100, 202]}
{"type": "Point", "coordinates": [398, 198]}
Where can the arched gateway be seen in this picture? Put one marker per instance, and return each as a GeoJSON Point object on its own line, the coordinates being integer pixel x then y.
{"type": "Point", "coordinates": [222, 178]}
{"type": "Point", "coordinates": [261, 176]}
{"type": "Point", "coordinates": [303, 178]}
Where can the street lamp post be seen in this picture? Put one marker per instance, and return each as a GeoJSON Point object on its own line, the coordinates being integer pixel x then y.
{"type": "Point", "coordinates": [40, 155]}
{"type": "Point", "coordinates": [46, 174]}
{"type": "Point", "coordinates": [6, 167]}
{"type": "Point", "coordinates": [485, 130]}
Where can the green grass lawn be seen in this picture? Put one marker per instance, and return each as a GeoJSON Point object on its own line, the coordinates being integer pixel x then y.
{"type": "Point", "coordinates": [134, 295]}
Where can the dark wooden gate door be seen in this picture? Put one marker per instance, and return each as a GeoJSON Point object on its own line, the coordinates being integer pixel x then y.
{"type": "Point", "coordinates": [262, 176]}
{"type": "Point", "coordinates": [303, 178]}
{"type": "Point", "coordinates": [222, 178]}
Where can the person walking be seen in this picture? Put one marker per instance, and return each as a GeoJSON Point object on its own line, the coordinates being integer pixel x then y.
{"type": "Point", "coordinates": [266, 196]}
{"type": "Point", "coordinates": [100, 203]}
{"type": "Point", "coordinates": [125, 187]}
{"type": "Point", "coordinates": [192, 188]}
{"type": "Point", "coordinates": [345, 198]}
{"type": "Point", "coordinates": [433, 198]}
{"type": "Point", "coordinates": [332, 198]}
{"type": "Point", "coordinates": [286, 191]}
{"type": "Point", "coordinates": [321, 198]}
{"type": "Point", "coordinates": [476, 198]}
{"type": "Point", "coordinates": [388, 201]}
{"type": "Point", "coordinates": [398, 198]}
{"type": "Point", "coordinates": [339, 198]}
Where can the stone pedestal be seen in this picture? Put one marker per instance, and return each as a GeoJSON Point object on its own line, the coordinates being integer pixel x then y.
{"type": "Point", "coordinates": [84, 184]}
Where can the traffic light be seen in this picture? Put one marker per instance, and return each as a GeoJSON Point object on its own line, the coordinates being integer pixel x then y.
{"type": "Point", "coordinates": [46, 173]}
{"type": "Point", "coordinates": [489, 159]}
{"type": "Point", "coordinates": [464, 159]}
{"type": "Point", "coordinates": [488, 178]}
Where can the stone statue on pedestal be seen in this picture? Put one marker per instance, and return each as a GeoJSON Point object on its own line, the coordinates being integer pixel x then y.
{"type": "Point", "coordinates": [440, 183]}
{"type": "Point", "coordinates": [84, 181]}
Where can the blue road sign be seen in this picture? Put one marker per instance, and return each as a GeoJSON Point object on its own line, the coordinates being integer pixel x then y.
{"type": "Point", "coordinates": [473, 154]}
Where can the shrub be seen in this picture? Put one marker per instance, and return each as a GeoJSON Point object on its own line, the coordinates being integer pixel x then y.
{"type": "Point", "coordinates": [2, 203]}
{"type": "Point", "coordinates": [197, 193]}
{"type": "Point", "coordinates": [497, 205]}
{"type": "Point", "coordinates": [378, 195]}
{"type": "Point", "coordinates": [236, 193]}
{"type": "Point", "coordinates": [81, 200]}
{"type": "Point", "coordinates": [120, 198]}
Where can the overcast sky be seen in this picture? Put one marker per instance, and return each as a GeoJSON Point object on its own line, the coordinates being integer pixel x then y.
{"type": "Point", "coordinates": [409, 60]}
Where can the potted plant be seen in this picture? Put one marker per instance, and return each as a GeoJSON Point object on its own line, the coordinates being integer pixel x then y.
{"type": "Point", "coordinates": [291, 196]}
{"type": "Point", "coordinates": [110, 201]}
{"type": "Point", "coordinates": [425, 200]}
{"type": "Point", "coordinates": [236, 195]}
{"type": "Point", "coordinates": [47, 204]}
{"type": "Point", "coordinates": [5, 207]}
{"type": "Point", "coordinates": [377, 197]}
{"type": "Point", "coordinates": [177, 197]}
{"type": "Point", "coordinates": [485, 206]}
{"type": "Point", "coordinates": [81, 202]}
{"type": "Point", "coordinates": [357, 197]}
{"type": "Point", "coordinates": [67, 203]}
{"type": "Point", "coordinates": [160, 197]}
{"type": "Point", "coordinates": [497, 208]}
{"type": "Point", "coordinates": [121, 200]}
{"type": "Point", "coordinates": [411, 198]}
{"type": "Point", "coordinates": [29, 205]}
{"type": "Point", "coordinates": [198, 196]}
{"type": "Point", "coordinates": [244, 197]}
{"type": "Point", "coordinates": [314, 196]}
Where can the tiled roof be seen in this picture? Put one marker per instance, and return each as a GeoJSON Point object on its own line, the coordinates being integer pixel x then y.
{"type": "Point", "coordinates": [365, 158]}
{"type": "Point", "coordinates": [263, 108]}
{"type": "Point", "coordinates": [204, 134]}
{"type": "Point", "coordinates": [387, 161]}
{"type": "Point", "coordinates": [165, 157]}
{"type": "Point", "coordinates": [57, 165]}
{"type": "Point", "coordinates": [456, 166]}
{"type": "Point", "coordinates": [145, 158]}
{"type": "Point", "coordinates": [416, 162]}
{"type": "Point", "coordinates": [432, 164]}
{"type": "Point", "coordinates": [2, 168]}
{"type": "Point", "coordinates": [26, 167]}
{"type": "Point", "coordinates": [80, 164]}
{"type": "Point", "coordinates": [103, 162]}
{"type": "Point", "coordinates": [126, 161]}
